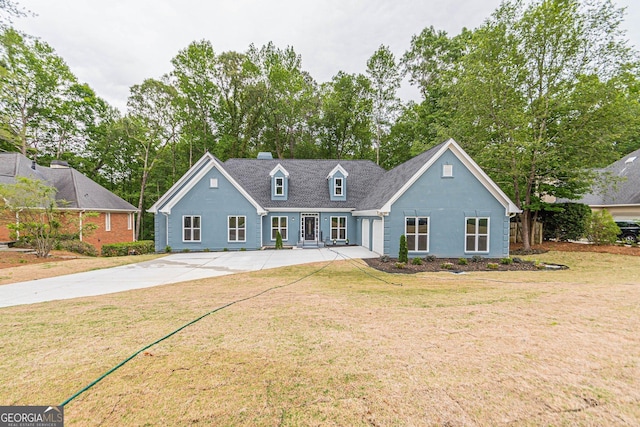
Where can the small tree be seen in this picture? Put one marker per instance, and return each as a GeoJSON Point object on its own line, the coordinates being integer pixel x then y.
{"type": "Point", "coordinates": [602, 229]}
{"type": "Point", "coordinates": [32, 204]}
{"type": "Point", "coordinates": [403, 256]}
{"type": "Point", "coordinates": [278, 240]}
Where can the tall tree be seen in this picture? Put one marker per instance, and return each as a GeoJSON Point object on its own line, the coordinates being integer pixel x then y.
{"type": "Point", "coordinates": [153, 125]}
{"type": "Point", "coordinates": [535, 96]}
{"type": "Point", "coordinates": [288, 97]}
{"type": "Point", "coordinates": [385, 78]}
{"type": "Point", "coordinates": [34, 87]}
{"type": "Point", "coordinates": [345, 129]}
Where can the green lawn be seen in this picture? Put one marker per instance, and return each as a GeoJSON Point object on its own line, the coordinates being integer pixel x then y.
{"type": "Point", "coordinates": [342, 348]}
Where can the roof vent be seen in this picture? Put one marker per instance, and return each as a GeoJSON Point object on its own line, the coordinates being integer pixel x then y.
{"type": "Point", "coordinates": [630, 160]}
{"type": "Point", "coordinates": [265, 155]}
{"type": "Point", "coordinates": [59, 164]}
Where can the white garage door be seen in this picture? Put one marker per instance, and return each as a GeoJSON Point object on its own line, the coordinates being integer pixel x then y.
{"type": "Point", "coordinates": [378, 236]}
{"type": "Point", "coordinates": [365, 233]}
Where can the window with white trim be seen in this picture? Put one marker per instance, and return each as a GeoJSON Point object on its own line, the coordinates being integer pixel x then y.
{"type": "Point", "coordinates": [107, 221]}
{"type": "Point", "coordinates": [477, 235]}
{"type": "Point", "coordinates": [237, 229]}
{"type": "Point", "coordinates": [447, 171]}
{"type": "Point", "coordinates": [338, 228]}
{"type": "Point", "coordinates": [338, 186]}
{"type": "Point", "coordinates": [191, 228]}
{"type": "Point", "coordinates": [416, 230]}
{"type": "Point", "coordinates": [279, 186]}
{"type": "Point", "coordinates": [129, 221]}
{"type": "Point", "coordinates": [279, 223]}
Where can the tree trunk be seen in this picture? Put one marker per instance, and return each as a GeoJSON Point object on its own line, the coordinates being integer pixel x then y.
{"type": "Point", "coordinates": [143, 186]}
{"type": "Point", "coordinates": [525, 232]}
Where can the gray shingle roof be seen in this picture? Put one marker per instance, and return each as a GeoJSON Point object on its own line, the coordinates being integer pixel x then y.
{"type": "Point", "coordinates": [75, 190]}
{"type": "Point", "coordinates": [308, 187]}
{"type": "Point", "coordinates": [626, 188]}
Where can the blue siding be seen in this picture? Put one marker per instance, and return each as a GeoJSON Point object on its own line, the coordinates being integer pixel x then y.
{"type": "Point", "coordinates": [214, 206]}
{"type": "Point", "coordinates": [293, 228]}
{"type": "Point", "coordinates": [447, 201]}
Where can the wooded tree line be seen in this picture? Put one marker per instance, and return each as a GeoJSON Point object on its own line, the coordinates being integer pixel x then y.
{"type": "Point", "coordinates": [542, 92]}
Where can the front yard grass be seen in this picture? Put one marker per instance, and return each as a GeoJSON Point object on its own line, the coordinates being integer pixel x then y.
{"type": "Point", "coordinates": [342, 348]}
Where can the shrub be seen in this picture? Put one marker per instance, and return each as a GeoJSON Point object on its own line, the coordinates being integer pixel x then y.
{"type": "Point", "coordinates": [506, 261]}
{"type": "Point", "coordinates": [128, 248]}
{"type": "Point", "coordinates": [430, 258]}
{"type": "Point", "coordinates": [403, 256]}
{"type": "Point", "coordinates": [243, 249]}
{"type": "Point", "coordinates": [463, 261]}
{"type": "Point", "coordinates": [565, 221]}
{"type": "Point", "coordinates": [76, 246]}
{"type": "Point", "coordinates": [278, 240]}
{"type": "Point", "coordinates": [493, 266]}
{"type": "Point", "coordinates": [186, 250]}
{"type": "Point", "coordinates": [416, 261]}
{"type": "Point", "coordinates": [384, 258]}
{"type": "Point", "coordinates": [476, 258]}
{"type": "Point", "coordinates": [602, 229]}
{"type": "Point", "coordinates": [401, 264]}
{"type": "Point", "coordinates": [167, 249]}
{"type": "Point", "coordinates": [446, 265]}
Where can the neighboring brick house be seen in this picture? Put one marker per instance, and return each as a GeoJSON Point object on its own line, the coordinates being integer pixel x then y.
{"type": "Point", "coordinates": [80, 196]}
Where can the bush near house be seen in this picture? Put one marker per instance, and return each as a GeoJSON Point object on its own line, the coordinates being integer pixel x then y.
{"type": "Point", "coordinates": [602, 229]}
{"type": "Point", "coordinates": [128, 248]}
{"type": "Point", "coordinates": [565, 221]}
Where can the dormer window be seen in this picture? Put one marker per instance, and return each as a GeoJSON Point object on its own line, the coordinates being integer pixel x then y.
{"type": "Point", "coordinates": [337, 180]}
{"type": "Point", "coordinates": [279, 186]}
{"type": "Point", "coordinates": [337, 187]}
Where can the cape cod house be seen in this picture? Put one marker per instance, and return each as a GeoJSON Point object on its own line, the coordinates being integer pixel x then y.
{"type": "Point", "coordinates": [77, 194]}
{"type": "Point", "coordinates": [441, 200]}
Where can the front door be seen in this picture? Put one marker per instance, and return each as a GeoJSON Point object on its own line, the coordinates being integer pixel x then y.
{"type": "Point", "coordinates": [309, 228]}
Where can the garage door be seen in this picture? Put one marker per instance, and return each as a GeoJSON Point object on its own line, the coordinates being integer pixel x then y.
{"type": "Point", "coordinates": [365, 233]}
{"type": "Point", "coordinates": [378, 236]}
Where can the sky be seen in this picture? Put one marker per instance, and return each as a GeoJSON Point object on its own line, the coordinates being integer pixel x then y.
{"type": "Point", "coordinates": [113, 45]}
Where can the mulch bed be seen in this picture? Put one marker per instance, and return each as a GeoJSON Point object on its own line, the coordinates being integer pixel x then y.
{"type": "Point", "coordinates": [389, 265]}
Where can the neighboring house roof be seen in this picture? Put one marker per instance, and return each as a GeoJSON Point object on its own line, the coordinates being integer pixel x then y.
{"type": "Point", "coordinates": [308, 187]}
{"type": "Point", "coordinates": [74, 190]}
{"type": "Point", "coordinates": [624, 188]}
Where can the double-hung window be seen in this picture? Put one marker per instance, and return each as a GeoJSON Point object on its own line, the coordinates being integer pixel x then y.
{"type": "Point", "coordinates": [191, 228]}
{"type": "Point", "coordinates": [237, 228]}
{"type": "Point", "coordinates": [279, 223]}
{"type": "Point", "coordinates": [477, 235]}
{"type": "Point", "coordinates": [279, 186]}
{"type": "Point", "coordinates": [337, 186]}
{"type": "Point", "coordinates": [416, 231]}
{"type": "Point", "coordinates": [338, 228]}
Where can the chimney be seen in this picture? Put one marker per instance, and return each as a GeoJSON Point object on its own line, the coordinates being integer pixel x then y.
{"type": "Point", "coordinates": [59, 164]}
{"type": "Point", "coordinates": [265, 155]}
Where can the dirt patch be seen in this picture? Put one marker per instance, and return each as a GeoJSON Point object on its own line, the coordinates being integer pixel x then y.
{"type": "Point", "coordinates": [580, 247]}
{"type": "Point", "coordinates": [391, 265]}
{"type": "Point", "coordinates": [10, 259]}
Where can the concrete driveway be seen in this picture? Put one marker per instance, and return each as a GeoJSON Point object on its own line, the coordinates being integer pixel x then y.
{"type": "Point", "coordinates": [173, 268]}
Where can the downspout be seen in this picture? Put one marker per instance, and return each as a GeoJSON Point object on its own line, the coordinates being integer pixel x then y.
{"type": "Point", "coordinates": [80, 224]}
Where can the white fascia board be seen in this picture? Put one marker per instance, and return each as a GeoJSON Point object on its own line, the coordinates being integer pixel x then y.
{"type": "Point", "coordinates": [184, 178]}
{"type": "Point", "coordinates": [472, 166]}
{"type": "Point", "coordinates": [373, 212]}
{"type": "Point", "coordinates": [308, 210]}
{"type": "Point", "coordinates": [336, 169]}
{"type": "Point", "coordinates": [280, 168]}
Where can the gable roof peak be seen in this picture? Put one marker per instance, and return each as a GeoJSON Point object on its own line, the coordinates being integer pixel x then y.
{"type": "Point", "coordinates": [340, 169]}
{"type": "Point", "coordinates": [280, 168]}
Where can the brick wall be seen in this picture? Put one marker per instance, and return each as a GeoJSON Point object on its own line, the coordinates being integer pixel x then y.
{"type": "Point", "coordinates": [120, 232]}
